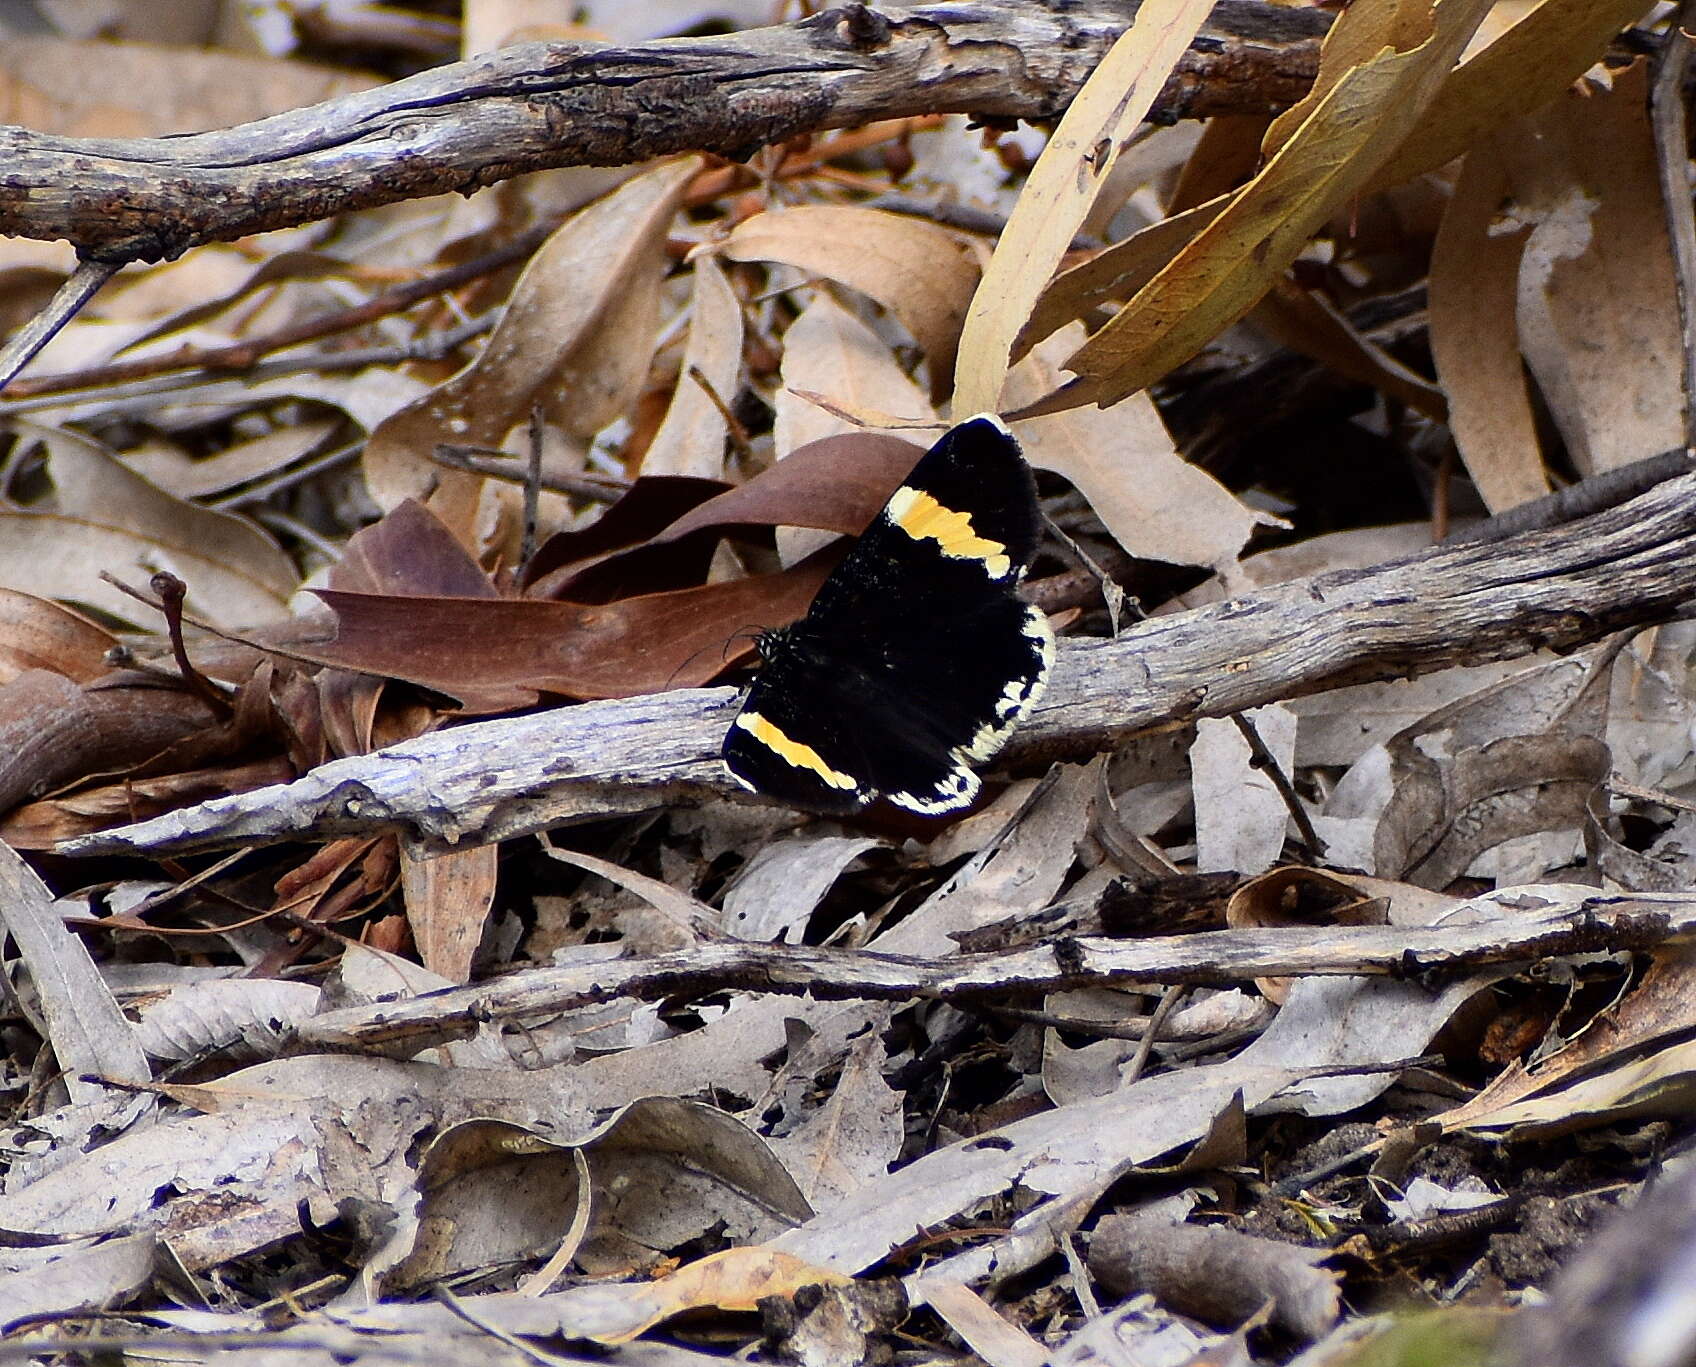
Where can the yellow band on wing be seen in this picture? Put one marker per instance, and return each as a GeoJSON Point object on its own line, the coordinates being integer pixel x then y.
{"type": "Point", "coordinates": [792, 751]}
{"type": "Point", "coordinates": [922, 518]}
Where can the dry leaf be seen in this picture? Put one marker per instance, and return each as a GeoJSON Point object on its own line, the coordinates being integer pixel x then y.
{"type": "Point", "coordinates": [1475, 339]}
{"type": "Point", "coordinates": [691, 439]}
{"type": "Point", "coordinates": [111, 519]}
{"type": "Point", "coordinates": [1230, 264]}
{"type": "Point", "coordinates": [448, 897]}
{"type": "Point", "coordinates": [602, 263]}
{"type": "Point", "coordinates": [1062, 186]}
{"type": "Point", "coordinates": [1152, 501]}
{"type": "Point", "coordinates": [1596, 275]}
{"type": "Point", "coordinates": [916, 270]}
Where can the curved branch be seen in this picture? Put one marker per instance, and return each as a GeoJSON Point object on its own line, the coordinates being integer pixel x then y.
{"type": "Point", "coordinates": [538, 105]}
{"type": "Point", "coordinates": [1559, 589]}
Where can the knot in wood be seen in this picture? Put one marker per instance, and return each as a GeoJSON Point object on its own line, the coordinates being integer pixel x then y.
{"type": "Point", "coordinates": [855, 26]}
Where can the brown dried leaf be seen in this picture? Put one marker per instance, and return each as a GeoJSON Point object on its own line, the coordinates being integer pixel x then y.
{"type": "Point", "coordinates": [448, 898]}
{"type": "Point", "coordinates": [827, 350]}
{"type": "Point", "coordinates": [1152, 501]}
{"type": "Point", "coordinates": [691, 439]}
{"type": "Point", "coordinates": [601, 266]}
{"type": "Point", "coordinates": [54, 731]}
{"type": "Point", "coordinates": [835, 484]}
{"type": "Point", "coordinates": [1596, 275]}
{"type": "Point", "coordinates": [37, 634]}
{"type": "Point", "coordinates": [1475, 338]}
{"type": "Point", "coordinates": [917, 271]}
{"type": "Point", "coordinates": [508, 651]}
{"type": "Point", "coordinates": [111, 519]}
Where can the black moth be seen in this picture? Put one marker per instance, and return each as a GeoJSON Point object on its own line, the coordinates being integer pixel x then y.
{"type": "Point", "coordinates": [917, 657]}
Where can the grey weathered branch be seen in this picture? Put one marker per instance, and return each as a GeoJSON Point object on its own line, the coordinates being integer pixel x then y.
{"type": "Point", "coordinates": [537, 105]}
{"type": "Point", "coordinates": [1561, 588]}
{"type": "Point", "coordinates": [1596, 924]}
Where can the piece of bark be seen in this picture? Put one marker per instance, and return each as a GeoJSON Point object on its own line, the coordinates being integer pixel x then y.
{"type": "Point", "coordinates": [1627, 566]}
{"type": "Point", "coordinates": [1218, 1275]}
{"type": "Point", "coordinates": [536, 105]}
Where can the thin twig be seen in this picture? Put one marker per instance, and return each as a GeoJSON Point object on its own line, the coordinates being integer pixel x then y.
{"type": "Point", "coordinates": [1672, 157]}
{"type": "Point", "coordinates": [1264, 760]}
{"type": "Point", "coordinates": [483, 460]}
{"type": "Point", "coordinates": [739, 437]}
{"type": "Point", "coordinates": [532, 487]}
{"type": "Point", "coordinates": [1156, 1021]}
{"type": "Point", "coordinates": [1593, 495]}
{"type": "Point", "coordinates": [172, 591]}
{"type": "Point", "coordinates": [79, 287]}
{"type": "Point", "coordinates": [494, 1331]}
{"type": "Point", "coordinates": [240, 356]}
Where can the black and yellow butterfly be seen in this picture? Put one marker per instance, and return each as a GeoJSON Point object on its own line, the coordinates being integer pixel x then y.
{"type": "Point", "coordinates": [917, 657]}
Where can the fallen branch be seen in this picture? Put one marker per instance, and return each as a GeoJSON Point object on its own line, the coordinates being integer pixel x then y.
{"type": "Point", "coordinates": [1601, 924]}
{"type": "Point", "coordinates": [537, 105]}
{"type": "Point", "coordinates": [1627, 566]}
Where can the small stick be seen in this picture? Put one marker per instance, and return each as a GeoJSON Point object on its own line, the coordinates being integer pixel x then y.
{"type": "Point", "coordinates": [1156, 1022]}
{"type": "Point", "coordinates": [739, 437]}
{"type": "Point", "coordinates": [238, 356]}
{"type": "Point", "coordinates": [1264, 760]}
{"type": "Point", "coordinates": [172, 591]}
{"type": "Point", "coordinates": [80, 286]}
{"type": "Point", "coordinates": [532, 487]}
{"type": "Point", "coordinates": [484, 460]}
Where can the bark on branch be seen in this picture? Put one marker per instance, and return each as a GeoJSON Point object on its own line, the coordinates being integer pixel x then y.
{"type": "Point", "coordinates": [537, 105]}
{"type": "Point", "coordinates": [1597, 924]}
{"type": "Point", "coordinates": [1562, 588]}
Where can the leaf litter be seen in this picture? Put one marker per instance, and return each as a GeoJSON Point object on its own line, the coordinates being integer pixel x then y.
{"type": "Point", "coordinates": [589, 468]}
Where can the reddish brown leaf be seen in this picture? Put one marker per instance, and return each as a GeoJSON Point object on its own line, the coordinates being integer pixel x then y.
{"type": "Point", "coordinates": [506, 653]}
{"type": "Point", "coordinates": [38, 634]}
{"type": "Point", "coordinates": [652, 505]}
{"type": "Point", "coordinates": [410, 550]}
{"type": "Point", "coordinates": [835, 484]}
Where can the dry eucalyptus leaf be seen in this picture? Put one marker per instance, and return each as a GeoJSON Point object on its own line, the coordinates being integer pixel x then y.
{"type": "Point", "coordinates": [448, 897]}
{"type": "Point", "coordinates": [238, 1018]}
{"type": "Point", "coordinates": [1061, 188]}
{"type": "Point", "coordinates": [1475, 338]}
{"type": "Point", "coordinates": [1152, 501]}
{"type": "Point", "coordinates": [780, 887]}
{"type": "Point", "coordinates": [854, 1138]}
{"type": "Point", "coordinates": [1240, 817]}
{"type": "Point", "coordinates": [1223, 271]}
{"type": "Point", "coordinates": [691, 439]}
{"type": "Point", "coordinates": [916, 270]}
{"type": "Point", "coordinates": [603, 263]}
{"type": "Point", "coordinates": [108, 518]}
{"type": "Point", "coordinates": [1596, 273]}
{"type": "Point", "coordinates": [660, 1172]}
